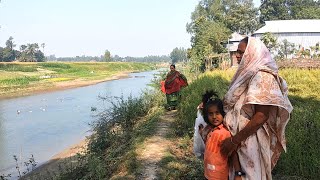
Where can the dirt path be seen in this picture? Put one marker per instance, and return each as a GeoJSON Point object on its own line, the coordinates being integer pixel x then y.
{"type": "Point", "coordinates": [155, 147]}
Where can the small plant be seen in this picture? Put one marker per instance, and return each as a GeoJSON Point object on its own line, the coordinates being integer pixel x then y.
{"type": "Point", "coordinates": [30, 165]}
{"type": "Point", "coordinates": [17, 165]}
{"type": "Point", "coordinates": [5, 177]}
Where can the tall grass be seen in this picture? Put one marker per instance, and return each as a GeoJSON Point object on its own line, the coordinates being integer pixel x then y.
{"type": "Point", "coordinates": [18, 67]}
{"type": "Point", "coordinates": [55, 65]}
{"type": "Point", "coordinates": [116, 131]}
{"type": "Point", "coordinates": [302, 159]}
{"type": "Point", "coordinates": [20, 81]}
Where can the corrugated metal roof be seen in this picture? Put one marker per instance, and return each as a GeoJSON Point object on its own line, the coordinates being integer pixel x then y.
{"type": "Point", "coordinates": [292, 26]}
{"type": "Point", "coordinates": [236, 37]}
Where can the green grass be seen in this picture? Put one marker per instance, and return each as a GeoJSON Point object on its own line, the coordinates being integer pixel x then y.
{"type": "Point", "coordinates": [302, 159]}
{"type": "Point", "coordinates": [19, 81]}
{"type": "Point", "coordinates": [18, 67]}
{"type": "Point", "coordinates": [25, 75]}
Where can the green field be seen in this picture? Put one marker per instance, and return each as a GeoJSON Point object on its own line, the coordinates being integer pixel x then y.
{"type": "Point", "coordinates": [302, 160]}
{"type": "Point", "coordinates": [24, 78]}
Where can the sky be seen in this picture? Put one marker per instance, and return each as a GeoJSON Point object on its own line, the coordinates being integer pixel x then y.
{"type": "Point", "coordinates": [71, 28]}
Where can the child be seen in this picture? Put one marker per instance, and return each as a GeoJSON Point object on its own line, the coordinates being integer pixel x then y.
{"type": "Point", "coordinates": [215, 164]}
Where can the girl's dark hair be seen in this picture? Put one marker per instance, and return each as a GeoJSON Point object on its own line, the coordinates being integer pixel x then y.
{"type": "Point", "coordinates": [173, 65]}
{"type": "Point", "coordinates": [210, 98]}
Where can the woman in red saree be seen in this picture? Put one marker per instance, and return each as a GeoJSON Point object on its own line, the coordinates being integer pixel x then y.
{"type": "Point", "coordinates": [172, 85]}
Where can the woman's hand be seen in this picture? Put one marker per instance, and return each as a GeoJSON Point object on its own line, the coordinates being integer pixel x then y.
{"type": "Point", "coordinates": [227, 147]}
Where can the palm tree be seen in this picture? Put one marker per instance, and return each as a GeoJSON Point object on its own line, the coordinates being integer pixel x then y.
{"type": "Point", "coordinates": [31, 50]}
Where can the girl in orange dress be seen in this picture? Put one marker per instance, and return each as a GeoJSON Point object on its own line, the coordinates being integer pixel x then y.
{"type": "Point", "coordinates": [216, 166]}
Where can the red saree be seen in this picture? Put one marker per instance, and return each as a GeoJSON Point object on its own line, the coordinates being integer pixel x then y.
{"type": "Point", "coordinates": [174, 82]}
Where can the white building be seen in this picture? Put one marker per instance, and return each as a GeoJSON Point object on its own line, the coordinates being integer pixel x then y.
{"type": "Point", "coordinates": [232, 46]}
{"type": "Point", "coordinates": [303, 33]}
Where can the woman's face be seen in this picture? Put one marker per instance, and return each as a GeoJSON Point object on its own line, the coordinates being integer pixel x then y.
{"type": "Point", "coordinates": [172, 68]}
{"type": "Point", "coordinates": [240, 51]}
{"type": "Point", "coordinates": [214, 116]}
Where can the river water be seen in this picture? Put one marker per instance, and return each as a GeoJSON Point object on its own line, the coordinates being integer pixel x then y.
{"type": "Point", "coordinates": [47, 123]}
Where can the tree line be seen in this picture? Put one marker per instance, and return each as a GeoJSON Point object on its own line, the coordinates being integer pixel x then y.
{"type": "Point", "coordinates": [28, 53]}
{"type": "Point", "coordinates": [31, 52]}
{"type": "Point", "coordinates": [213, 21]}
{"type": "Point", "coordinates": [108, 57]}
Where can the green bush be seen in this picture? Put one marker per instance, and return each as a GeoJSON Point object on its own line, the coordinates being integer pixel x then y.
{"type": "Point", "coordinates": [115, 130]}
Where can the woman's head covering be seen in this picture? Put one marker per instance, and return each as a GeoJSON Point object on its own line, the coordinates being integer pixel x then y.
{"type": "Point", "coordinates": [257, 58]}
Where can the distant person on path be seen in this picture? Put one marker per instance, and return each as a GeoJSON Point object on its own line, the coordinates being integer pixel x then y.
{"type": "Point", "coordinates": [172, 85]}
{"type": "Point", "coordinates": [257, 111]}
{"type": "Point", "coordinates": [216, 166]}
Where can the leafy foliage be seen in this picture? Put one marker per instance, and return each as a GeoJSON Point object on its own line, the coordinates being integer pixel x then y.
{"type": "Point", "coordinates": [286, 48]}
{"type": "Point", "coordinates": [27, 53]}
{"type": "Point", "coordinates": [270, 41]}
{"type": "Point", "coordinates": [212, 23]}
{"type": "Point", "coordinates": [289, 9]}
{"type": "Point", "coordinates": [107, 56]}
{"type": "Point", "coordinates": [178, 55]}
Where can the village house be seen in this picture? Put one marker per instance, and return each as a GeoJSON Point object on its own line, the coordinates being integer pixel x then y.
{"type": "Point", "coordinates": [303, 33]}
{"type": "Point", "coordinates": [232, 47]}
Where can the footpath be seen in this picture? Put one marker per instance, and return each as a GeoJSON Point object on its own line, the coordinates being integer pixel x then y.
{"type": "Point", "coordinates": [155, 147]}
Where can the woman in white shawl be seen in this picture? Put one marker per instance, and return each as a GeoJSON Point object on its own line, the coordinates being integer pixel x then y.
{"type": "Point", "coordinates": [257, 111]}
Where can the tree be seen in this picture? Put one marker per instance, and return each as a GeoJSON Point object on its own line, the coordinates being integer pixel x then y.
{"type": "Point", "coordinates": [270, 41]}
{"type": "Point", "coordinates": [23, 55]}
{"type": "Point", "coordinates": [241, 16]}
{"type": "Point", "coordinates": [274, 10]}
{"type": "Point", "coordinates": [39, 56]}
{"type": "Point", "coordinates": [10, 44]}
{"type": "Point", "coordinates": [178, 55]}
{"type": "Point", "coordinates": [286, 48]}
{"type": "Point", "coordinates": [289, 9]}
{"type": "Point", "coordinates": [212, 23]}
{"type": "Point", "coordinates": [8, 53]}
{"type": "Point", "coordinates": [31, 51]}
{"type": "Point", "coordinates": [107, 56]}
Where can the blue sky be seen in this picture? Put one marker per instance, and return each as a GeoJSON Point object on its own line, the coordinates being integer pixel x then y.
{"type": "Point", "coordinates": [77, 27]}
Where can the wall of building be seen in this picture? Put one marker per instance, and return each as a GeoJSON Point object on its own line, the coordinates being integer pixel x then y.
{"type": "Point", "coordinates": [304, 39]}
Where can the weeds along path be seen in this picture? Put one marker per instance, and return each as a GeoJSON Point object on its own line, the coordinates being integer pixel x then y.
{"type": "Point", "coordinates": [155, 147]}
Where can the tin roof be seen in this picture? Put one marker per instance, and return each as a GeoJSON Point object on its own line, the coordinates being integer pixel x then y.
{"type": "Point", "coordinates": [290, 26]}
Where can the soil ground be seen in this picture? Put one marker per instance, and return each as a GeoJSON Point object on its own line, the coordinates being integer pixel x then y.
{"type": "Point", "coordinates": [155, 147]}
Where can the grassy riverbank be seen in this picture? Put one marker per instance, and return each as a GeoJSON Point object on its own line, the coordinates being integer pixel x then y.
{"type": "Point", "coordinates": [17, 79]}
